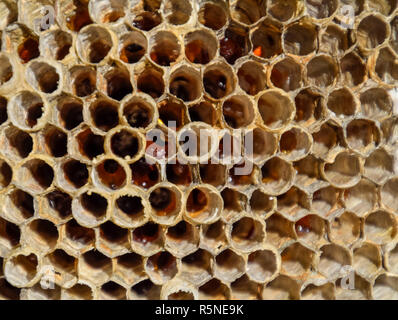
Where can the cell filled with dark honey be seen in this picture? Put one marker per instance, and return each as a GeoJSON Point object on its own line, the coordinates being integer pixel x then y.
{"type": "Point", "coordinates": [144, 174]}
{"type": "Point", "coordinates": [29, 49]}
{"type": "Point", "coordinates": [90, 144]}
{"type": "Point", "coordinates": [111, 174]}
{"type": "Point", "coordinates": [163, 201]}
{"type": "Point", "coordinates": [180, 174]}
{"type": "Point", "coordinates": [235, 44]}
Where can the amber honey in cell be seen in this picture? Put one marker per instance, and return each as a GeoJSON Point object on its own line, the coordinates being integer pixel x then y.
{"type": "Point", "coordinates": [163, 200]}
{"type": "Point", "coordinates": [144, 174]}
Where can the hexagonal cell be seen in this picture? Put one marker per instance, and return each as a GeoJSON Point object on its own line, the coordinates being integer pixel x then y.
{"type": "Point", "coordinates": [78, 292]}
{"type": "Point", "coordinates": [235, 43]}
{"type": "Point", "coordinates": [309, 107]}
{"type": "Point", "coordinates": [104, 114]}
{"type": "Point", "coordinates": [112, 291]}
{"type": "Point", "coordinates": [295, 144]}
{"type": "Point", "coordinates": [287, 75]}
{"type": "Point", "coordinates": [78, 16]}
{"type": "Point", "coordinates": [90, 209]}
{"type": "Point", "coordinates": [318, 292]}
{"type": "Point", "coordinates": [41, 234]}
{"type": "Point", "coordinates": [248, 12]}
{"type": "Point", "coordinates": [44, 77]}
{"type": "Point", "coordinates": [322, 71]}
{"type": "Point", "coordinates": [300, 38]}
{"type": "Point", "coordinates": [334, 40]}
{"type": "Point", "coordinates": [213, 15]}
{"type": "Point", "coordinates": [385, 7]}
{"type": "Point", "coordinates": [108, 11]}
{"type": "Point", "coordinates": [389, 129]}
{"type": "Point", "coordinates": [321, 9]}
{"type": "Point", "coordinates": [344, 172]}
{"type": "Point", "coordinates": [345, 229]}
{"type": "Point", "coordinates": [95, 267]}
{"type": "Point", "coordinates": [386, 69]}
{"type": "Point", "coordinates": [388, 194]}
{"type": "Point", "coordinates": [57, 43]}
{"type": "Point", "coordinates": [379, 166]}
{"type": "Point", "coordinates": [129, 268]}
{"type": "Point", "coordinates": [234, 202]}
{"type": "Point", "coordinates": [361, 289]}
{"type": "Point", "coordinates": [8, 291]}
{"type": "Point", "coordinates": [372, 31]}
{"type": "Point", "coordinates": [90, 145]}
{"type": "Point", "coordinates": [116, 82]}
{"type": "Point", "coordinates": [361, 198]}
{"type": "Point", "coordinates": [165, 203]}
{"type": "Point", "coordinates": [266, 39]}
{"type": "Point", "coordinates": [214, 289]}
{"type": "Point", "coordinates": [262, 204]}
{"type": "Point", "coordinates": [385, 288]}
{"type": "Point", "coordinates": [37, 292]}
{"type": "Point", "coordinates": [172, 110]}
{"type": "Point", "coordinates": [310, 229]}
{"type": "Point", "coordinates": [83, 80]}
{"type": "Point", "coordinates": [22, 206]}
{"type": "Point", "coordinates": [294, 203]}
{"type": "Point", "coordinates": [297, 260]}
{"type": "Point", "coordinates": [281, 288]}
{"type": "Point", "coordinates": [213, 237]}
{"type": "Point", "coordinates": [145, 290]}
{"type": "Point", "coordinates": [353, 70]}
{"type": "Point", "coordinates": [64, 265]}
{"type": "Point", "coordinates": [247, 234]}
{"type": "Point", "coordinates": [308, 173]}
{"type": "Point", "coordinates": [213, 174]}
{"type": "Point", "coordinates": [179, 174]}
{"type": "Point", "coordinates": [21, 269]}
{"type": "Point", "coordinates": [342, 102]}
{"type": "Point", "coordinates": [181, 239]}
{"type": "Point", "coordinates": [28, 49]}
{"type": "Point", "coordinates": [252, 77]}
{"type": "Point", "coordinates": [245, 289]}
{"type": "Point", "coordinates": [129, 210]}
{"type": "Point", "coordinates": [362, 135]}
{"type": "Point", "coordinates": [283, 11]}
{"type": "Point", "coordinates": [367, 259]}
{"type": "Point", "coordinates": [75, 174]}
{"type": "Point", "coordinates": [332, 260]}
{"type": "Point", "coordinates": [238, 111]}
{"type": "Point", "coordinates": [133, 47]}
{"type": "Point", "coordinates": [243, 174]}
{"type": "Point", "coordinates": [276, 176]}
{"type": "Point", "coordinates": [185, 83]}
{"type": "Point", "coordinates": [93, 44]}
{"type": "Point", "coordinates": [203, 204]}
{"type": "Point", "coordinates": [76, 237]}
{"type": "Point", "coordinates": [147, 239]}
{"type": "Point", "coordinates": [200, 46]}
{"type": "Point", "coordinates": [5, 174]}
{"type": "Point", "coordinates": [150, 81]}
{"type": "Point", "coordinates": [147, 20]}
{"type": "Point", "coordinates": [10, 235]}
{"type": "Point", "coordinates": [112, 240]}
{"type": "Point", "coordinates": [376, 103]}
{"type": "Point", "coordinates": [161, 267]}
{"type": "Point", "coordinates": [19, 143]}
{"type": "Point", "coordinates": [203, 111]}
{"type": "Point", "coordinates": [279, 230]}
{"type": "Point", "coordinates": [144, 174]}
{"type": "Point", "coordinates": [165, 48]}
{"type": "Point", "coordinates": [262, 265]}
{"type": "Point", "coordinates": [177, 12]}
{"type": "Point", "coordinates": [26, 110]}
{"type": "Point", "coordinates": [229, 265]}
{"type": "Point", "coordinates": [55, 141]}
{"type": "Point", "coordinates": [36, 175]}
{"type": "Point", "coordinates": [197, 267]}
{"type": "Point", "coordinates": [325, 201]}
{"type": "Point", "coordinates": [111, 174]}
{"type": "Point", "coordinates": [218, 80]}
{"type": "Point", "coordinates": [380, 227]}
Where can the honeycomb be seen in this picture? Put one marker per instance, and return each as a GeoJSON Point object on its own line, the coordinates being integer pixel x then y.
{"type": "Point", "coordinates": [83, 84]}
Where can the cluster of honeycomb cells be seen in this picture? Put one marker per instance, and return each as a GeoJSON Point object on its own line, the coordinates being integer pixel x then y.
{"type": "Point", "coordinates": [82, 205]}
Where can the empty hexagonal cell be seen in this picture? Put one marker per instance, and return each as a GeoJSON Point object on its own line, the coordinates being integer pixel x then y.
{"type": "Point", "coordinates": [283, 11]}
{"type": "Point", "coordinates": [112, 291]}
{"type": "Point", "coordinates": [90, 145]}
{"type": "Point", "coordinates": [259, 145]}
{"type": "Point", "coordinates": [389, 193]}
{"type": "Point", "coordinates": [218, 80]}
{"type": "Point", "coordinates": [214, 289]}
{"type": "Point", "coordinates": [276, 109]}
{"type": "Point", "coordinates": [203, 204]}
{"type": "Point", "coordinates": [358, 289]}
{"type": "Point", "coordinates": [55, 141]}
{"type": "Point", "coordinates": [129, 268]}
{"type": "Point", "coordinates": [321, 9]}
{"type": "Point", "coordinates": [203, 111]}
{"type": "Point", "coordinates": [108, 11]}
{"type": "Point", "coordinates": [90, 208]}
{"type": "Point", "coordinates": [367, 259]}
{"type": "Point", "coordinates": [385, 288]}
{"type": "Point", "coordinates": [235, 43]}
{"type": "Point", "coordinates": [145, 290]}
{"type": "Point", "coordinates": [322, 71]}
{"type": "Point", "coordinates": [180, 174]}
{"type": "Point", "coordinates": [78, 292]}
{"type": "Point", "coordinates": [10, 10]}
{"type": "Point", "coordinates": [161, 267]}
{"type": "Point", "coordinates": [247, 234]}
{"type": "Point", "coordinates": [133, 47]}
{"type": "Point", "coordinates": [76, 237]}
{"type": "Point", "coordinates": [362, 135]}
{"type": "Point", "coordinates": [83, 80]}
{"type": "Point", "coordinates": [197, 267]}
{"type": "Point", "coordinates": [308, 173]}
{"type": "Point", "coordinates": [144, 174]}
{"type": "Point", "coordinates": [344, 172]}
{"type": "Point", "coordinates": [177, 12]}
{"type": "Point", "coordinates": [28, 49]}
{"type": "Point", "coordinates": [181, 239]}
{"type": "Point", "coordinates": [300, 38]}
{"type": "Point", "coordinates": [281, 288]}
{"type": "Point", "coordinates": [44, 77]}
{"type": "Point", "coordinates": [310, 229]}
{"type": "Point", "coordinates": [386, 68]}
{"type": "Point", "coordinates": [279, 230]}
{"type": "Point", "coordinates": [318, 292]}
{"type": "Point", "coordinates": [263, 265]}
{"type": "Point", "coordinates": [213, 237]}
{"type": "Point", "coordinates": [380, 227]}
{"type": "Point", "coordinates": [95, 267]}
{"type": "Point", "coordinates": [245, 289]}
{"type": "Point", "coordinates": [361, 198]}
{"type": "Point", "coordinates": [166, 203]}
{"type": "Point", "coordinates": [10, 235]}
{"type": "Point", "coordinates": [104, 114]}
{"type": "Point", "coordinates": [147, 20]}
{"type": "Point", "coordinates": [229, 265]}
{"type": "Point", "coordinates": [238, 111]}
{"type": "Point", "coordinates": [372, 31]}
{"type": "Point", "coordinates": [385, 7]}
{"type": "Point", "coordinates": [150, 81]}
{"type": "Point", "coordinates": [64, 265]}
{"type": "Point", "coordinates": [248, 12]}
{"type": "Point", "coordinates": [309, 107]}
{"type": "Point", "coordinates": [376, 103]}
{"type": "Point", "coordinates": [328, 140]}
{"type": "Point", "coordinates": [242, 174]}
{"type": "Point", "coordinates": [252, 77]}
{"type": "Point", "coordinates": [116, 82]}
{"type": "Point", "coordinates": [26, 110]}
{"type": "Point", "coordinates": [172, 113]}
{"type": "Point", "coordinates": [294, 203]}
{"type": "Point", "coordinates": [185, 83]}
{"type": "Point", "coordinates": [93, 44]}
{"type": "Point", "coordinates": [296, 260]}
{"type": "Point", "coordinates": [18, 144]}
{"type": "Point", "coordinates": [41, 234]}
{"type": "Point", "coordinates": [129, 209]}
{"type": "Point", "coordinates": [111, 174]}
{"type": "Point", "coordinates": [21, 269]}
{"type": "Point", "coordinates": [261, 203]}
{"type": "Point", "coordinates": [353, 70]}
{"type": "Point", "coordinates": [277, 176]}
{"type": "Point", "coordinates": [200, 46]}
{"type": "Point", "coordinates": [5, 174]}
{"type": "Point", "coordinates": [332, 260]}
{"type": "Point", "coordinates": [138, 112]}
{"type": "Point", "coordinates": [112, 240]}
{"type": "Point", "coordinates": [345, 229]}
{"type": "Point", "coordinates": [334, 40]}
{"type": "Point", "coordinates": [379, 166]}
{"type": "Point", "coordinates": [287, 74]}
{"type": "Point", "coordinates": [3, 109]}
{"type": "Point", "coordinates": [56, 44]}
{"type": "Point", "coordinates": [36, 174]}
{"type": "Point", "coordinates": [8, 291]}
{"type": "Point", "coordinates": [213, 174]}
{"type": "Point", "coordinates": [165, 48]}
{"type": "Point", "coordinates": [229, 148]}
{"type": "Point", "coordinates": [21, 206]}
{"type": "Point", "coordinates": [295, 144]}
{"type": "Point", "coordinates": [342, 102]}
{"type": "Point", "coordinates": [6, 69]}
{"type": "Point", "coordinates": [325, 201]}
{"type": "Point", "coordinates": [75, 174]}
{"type": "Point", "coordinates": [147, 239]}
{"type": "Point", "coordinates": [126, 144]}
{"type": "Point", "coordinates": [266, 39]}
